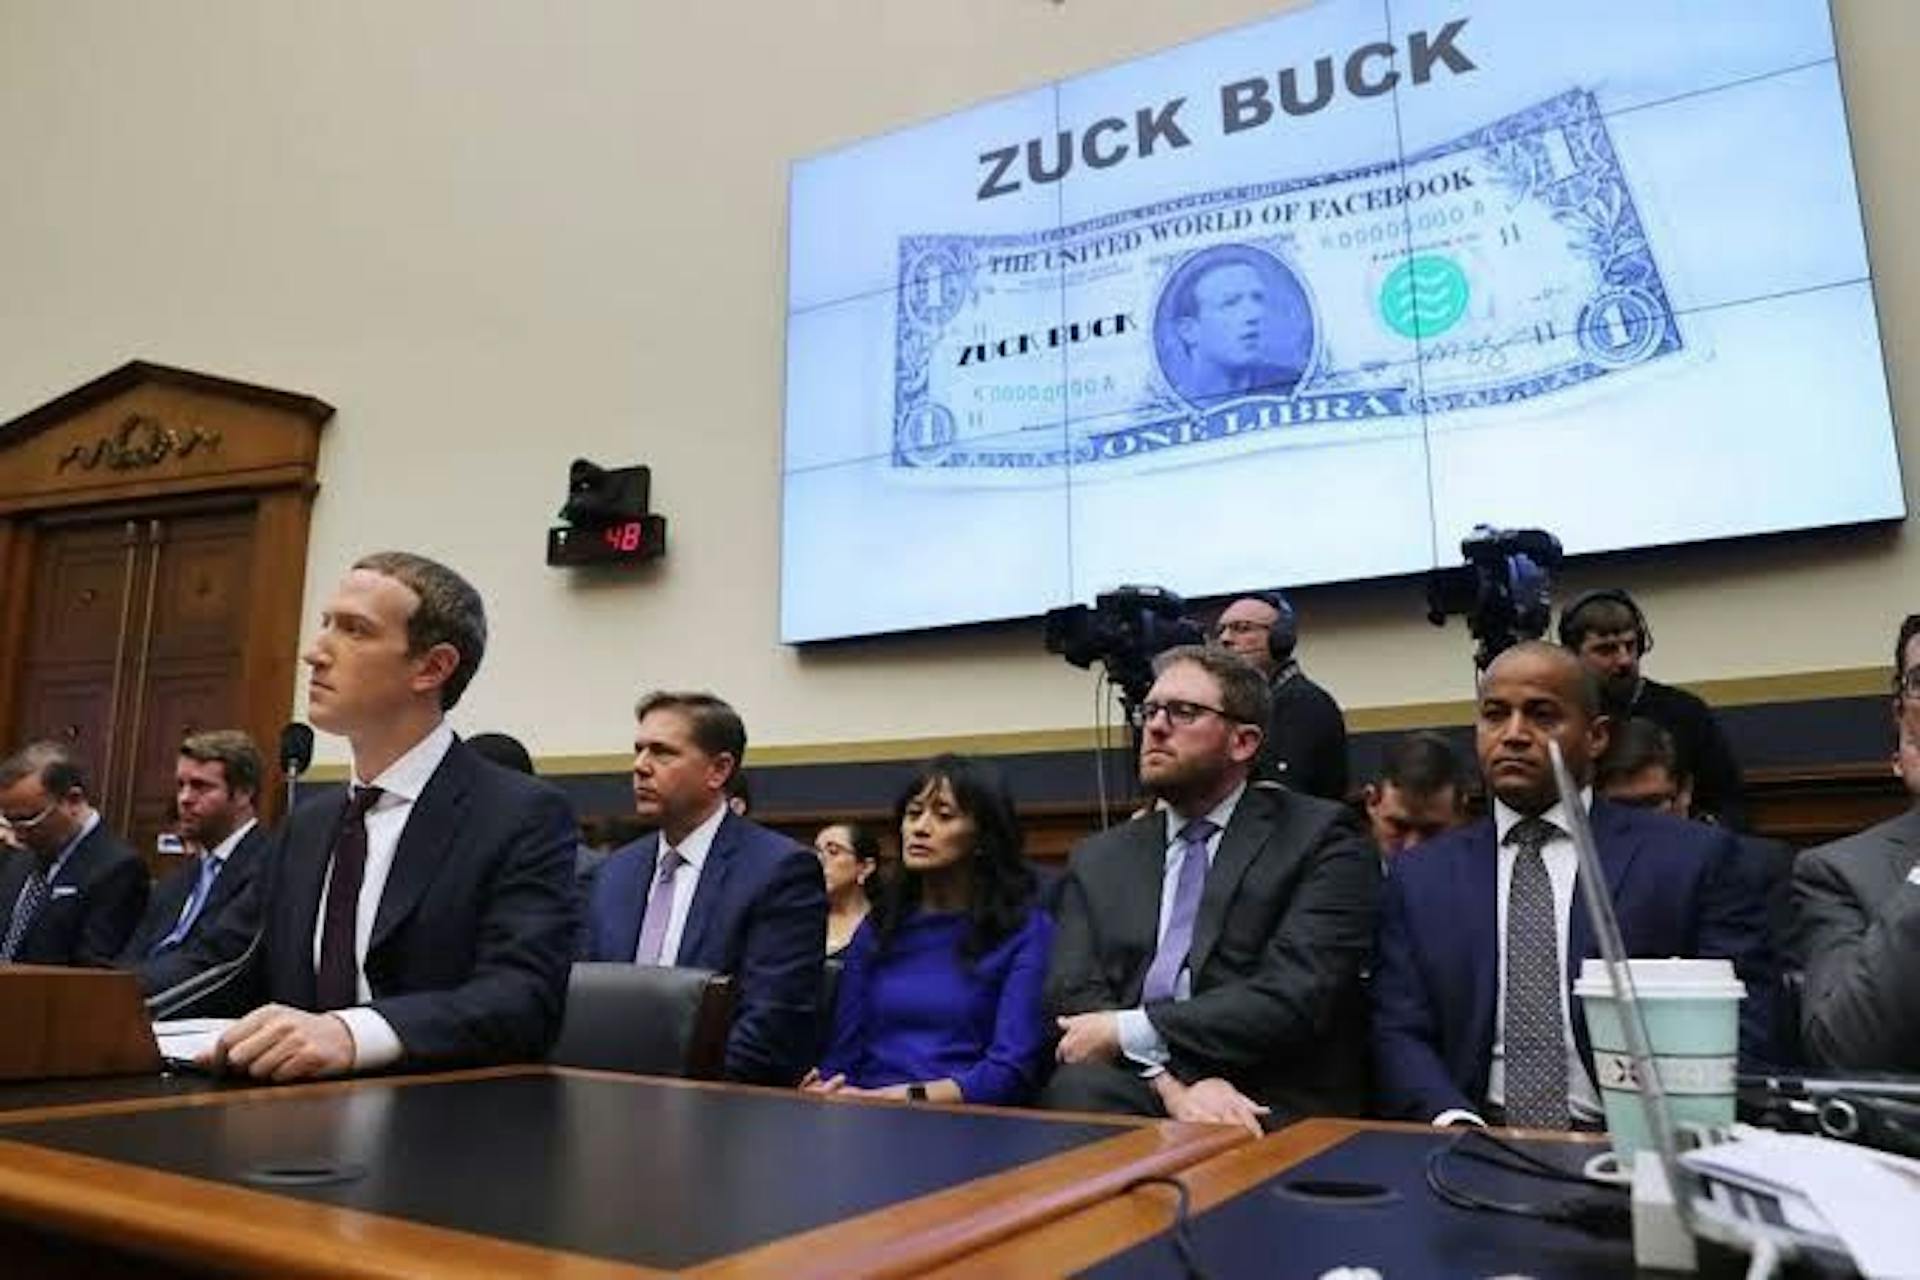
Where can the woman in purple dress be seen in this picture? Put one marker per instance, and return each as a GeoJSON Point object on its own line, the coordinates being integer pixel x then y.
{"type": "Point", "coordinates": [940, 997]}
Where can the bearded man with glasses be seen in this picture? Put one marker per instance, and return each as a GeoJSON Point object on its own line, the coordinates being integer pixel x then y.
{"type": "Point", "coordinates": [70, 891]}
{"type": "Point", "coordinates": [1857, 904]}
{"type": "Point", "coordinates": [1207, 960]}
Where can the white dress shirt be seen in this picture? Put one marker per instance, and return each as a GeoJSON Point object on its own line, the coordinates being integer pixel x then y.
{"type": "Point", "coordinates": [375, 1044]}
{"type": "Point", "coordinates": [693, 853]}
{"type": "Point", "coordinates": [1563, 865]}
{"type": "Point", "coordinates": [1140, 1040]}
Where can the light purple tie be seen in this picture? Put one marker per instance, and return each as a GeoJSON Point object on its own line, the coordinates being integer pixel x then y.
{"type": "Point", "coordinates": [1171, 958]}
{"type": "Point", "coordinates": [653, 929]}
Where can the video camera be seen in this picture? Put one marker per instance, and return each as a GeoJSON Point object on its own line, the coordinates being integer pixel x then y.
{"type": "Point", "coordinates": [1125, 629]}
{"type": "Point", "coordinates": [1504, 590]}
{"type": "Point", "coordinates": [598, 496]}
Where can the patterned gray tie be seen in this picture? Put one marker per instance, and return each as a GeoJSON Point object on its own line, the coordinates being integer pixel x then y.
{"type": "Point", "coordinates": [33, 895]}
{"type": "Point", "coordinates": [1535, 1037]}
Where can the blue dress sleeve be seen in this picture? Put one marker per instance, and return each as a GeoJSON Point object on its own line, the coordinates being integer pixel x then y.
{"type": "Point", "coordinates": [1010, 1070]}
{"type": "Point", "coordinates": [849, 1012]}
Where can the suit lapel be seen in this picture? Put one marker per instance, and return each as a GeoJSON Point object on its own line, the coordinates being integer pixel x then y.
{"type": "Point", "coordinates": [631, 904]}
{"type": "Point", "coordinates": [81, 859]}
{"type": "Point", "coordinates": [424, 842]}
{"type": "Point", "coordinates": [1903, 845]}
{"type": "Point", "coordinates": [1618, 847]}
{"type": "Point", "coordinates": [1139, 859]}
{"type": "Point", "coordinates": [13, 876]}
{"type": "Point", "coordinates": [1613, 837]}
{"type": "Point", "coordinates": [231, 876]}
{"type": "Point", "coordinates": [707, 895]}
{"type": "Point", "coordinates": [1247, 833]}
{"type": "Point", "coordinates": [1478, 901]}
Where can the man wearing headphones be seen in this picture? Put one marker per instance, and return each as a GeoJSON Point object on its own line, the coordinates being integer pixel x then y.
{"type": "Point", "coordinates": [1306, 743]}
{"type": "Point", "coordinates": [1610, 635]}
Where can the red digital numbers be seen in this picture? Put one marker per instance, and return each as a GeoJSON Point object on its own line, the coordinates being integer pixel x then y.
{"type": "Point", "coordinates": [624, 537]}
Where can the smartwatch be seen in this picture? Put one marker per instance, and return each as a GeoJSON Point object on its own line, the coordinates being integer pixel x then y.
{"type": "Point", "coordinates": [916, 1093]}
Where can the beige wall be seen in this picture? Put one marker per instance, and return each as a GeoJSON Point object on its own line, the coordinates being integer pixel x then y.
{"type": "Point", "coordinates": [499, 234]}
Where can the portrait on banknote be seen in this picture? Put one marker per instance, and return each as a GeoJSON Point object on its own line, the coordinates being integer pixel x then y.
{"type": "Point", "coordinates": [1232, 321]}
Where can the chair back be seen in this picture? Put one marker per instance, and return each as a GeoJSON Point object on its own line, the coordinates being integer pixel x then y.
{"type": "Point", "coordinates": [646, 1019]}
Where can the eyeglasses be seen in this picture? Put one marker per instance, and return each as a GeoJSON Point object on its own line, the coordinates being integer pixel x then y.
{"type": "Point", "coordinates": [12, 823]}
{"type": "Point", "coordinates": [1240, 627]}
{"type": "Point", "coordinates": [1179, 714]}
{"type": "Point", "coordinates": [1907, 683]}
{"type": "Point", "coordinates": [834, 849]}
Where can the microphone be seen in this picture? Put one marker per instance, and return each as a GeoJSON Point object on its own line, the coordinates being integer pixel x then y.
{"type": "Point", "coordinates": [164, 1004]}
{"type": "Point", "coordinates": [296, 755]}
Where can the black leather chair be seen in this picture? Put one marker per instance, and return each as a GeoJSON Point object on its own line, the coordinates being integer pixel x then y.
{"type": "Point", "coordinates": [646, 1019]}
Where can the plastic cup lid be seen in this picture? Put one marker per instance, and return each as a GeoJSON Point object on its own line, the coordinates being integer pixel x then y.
{"type": "Point", "coordinates": [1672, 979]}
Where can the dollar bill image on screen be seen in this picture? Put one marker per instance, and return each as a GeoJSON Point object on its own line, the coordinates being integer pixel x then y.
{"type": "Point", "coordinates": [1304, 301]}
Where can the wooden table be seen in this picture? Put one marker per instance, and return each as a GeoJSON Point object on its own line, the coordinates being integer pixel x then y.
{"type": "Point", "coordinates": [549, 1172]}
{"type": "Point", "coordinates": [1129, 1234]}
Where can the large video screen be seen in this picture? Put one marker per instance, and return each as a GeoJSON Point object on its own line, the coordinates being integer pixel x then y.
{"type": "Point", "coordinates": [1305, 301]}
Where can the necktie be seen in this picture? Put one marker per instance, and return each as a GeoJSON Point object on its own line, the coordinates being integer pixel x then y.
{"type": "Point", "coordinates": [337, 981]}
{"type": "Point", "coordinates": [1535, 1036]}
{"type": "Point", "coordinates": [202, 886]}
{"type": "Point", "coordinates": [1171, 958]}
{"type": "Point", "coordinates": [653, 929]}
{"type": "Point", "coordinates": [33, 894]}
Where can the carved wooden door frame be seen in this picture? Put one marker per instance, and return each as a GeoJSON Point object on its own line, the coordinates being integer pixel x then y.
{"type": "Point", "coordinates": [147, 437]}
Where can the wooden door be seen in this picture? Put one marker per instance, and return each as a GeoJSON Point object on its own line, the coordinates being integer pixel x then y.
{"type": "Point", "coordinates": [137, 633]}
{"type": "Point", "coordinates": [81, 594]}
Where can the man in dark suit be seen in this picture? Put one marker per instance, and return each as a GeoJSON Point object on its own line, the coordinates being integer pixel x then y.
{"type": "Point", "coordinates": [1305, 747]}
{"type": "Point", "coordinates": [1858, 917]}
{"type": "Point", "coordinates": [1208, 955]}
{"type": "Point", "coordinates": [710, 890]}
{"type": "Point", "coordinates": [1641, 768]}
{"type": "Point", "coordinates": [69, 890]}
{"type": "Point", "coordinates": [216, 782]}
{"type": "Point", "coordinates": [1482, 928]}
{"type": "Point", "coordinates": [427, 916]}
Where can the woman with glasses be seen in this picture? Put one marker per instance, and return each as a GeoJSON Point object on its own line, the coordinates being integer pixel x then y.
{"type": "Point", "coordinates": [849, 855]}
{"type": "Point", "coordinates": [940, 997]}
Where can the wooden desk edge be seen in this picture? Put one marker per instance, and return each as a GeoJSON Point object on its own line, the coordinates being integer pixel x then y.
{"type": "Point", "coordinates": [1100, 1231]}
{"type": "Point", "coordinates": [230, 1229]}
{"type": "Point", "coordinates": [248, 1093]}
{"type": "Point", "coordinates": [906, 1239]}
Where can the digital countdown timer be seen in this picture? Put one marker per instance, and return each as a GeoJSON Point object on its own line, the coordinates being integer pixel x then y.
{"type": "Point", "coordinates": [624, 542]}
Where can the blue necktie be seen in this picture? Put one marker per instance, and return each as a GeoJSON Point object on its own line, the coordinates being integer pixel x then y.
{"type": "Point", "coordinates": [202, 886]}
{"type": "Point", "coordinates": [1171, 958]}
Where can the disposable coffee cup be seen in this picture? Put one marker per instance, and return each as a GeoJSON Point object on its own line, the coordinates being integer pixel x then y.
{"type": "Point", "coordinates": [1691, 1009]}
